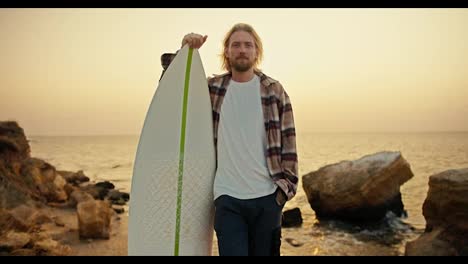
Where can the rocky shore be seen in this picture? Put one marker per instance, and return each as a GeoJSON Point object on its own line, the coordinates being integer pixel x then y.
{"type": "Point", "coordinates": [45, 211]}
{"type": "Point", "coordinates": [50, 211]}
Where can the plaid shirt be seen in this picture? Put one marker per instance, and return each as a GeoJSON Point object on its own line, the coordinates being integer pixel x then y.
{"type": "Point", "coordinates": [279, 125]}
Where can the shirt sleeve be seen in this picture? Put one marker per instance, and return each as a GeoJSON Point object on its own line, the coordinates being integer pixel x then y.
{"type": "Point", "coordinates": [289, 162]}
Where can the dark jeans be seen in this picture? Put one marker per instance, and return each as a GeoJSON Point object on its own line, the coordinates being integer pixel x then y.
{"type": "Point", "coordinates": [249, 227]}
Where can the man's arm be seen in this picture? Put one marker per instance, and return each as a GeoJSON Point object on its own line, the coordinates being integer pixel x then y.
{"type": "Point", "coordinates": [288, 145]}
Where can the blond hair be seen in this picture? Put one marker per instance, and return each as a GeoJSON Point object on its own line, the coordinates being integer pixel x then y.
{"type": "Point", "coordinates": [258, 45]}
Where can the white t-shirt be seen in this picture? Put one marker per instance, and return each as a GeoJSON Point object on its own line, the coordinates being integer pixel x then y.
{"type": "Point", "coordinates": [242, 170]}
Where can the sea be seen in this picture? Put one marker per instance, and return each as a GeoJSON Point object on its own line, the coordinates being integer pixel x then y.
{"type": "Point", "coordinates": [111, 158]}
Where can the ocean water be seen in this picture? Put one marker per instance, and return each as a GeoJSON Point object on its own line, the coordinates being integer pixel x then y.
{"type": "Point", "coordinates": [111, 158]}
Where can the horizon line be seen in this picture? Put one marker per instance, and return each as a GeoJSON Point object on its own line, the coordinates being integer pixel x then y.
{"type": "Point", "coordinates": [299, 132]}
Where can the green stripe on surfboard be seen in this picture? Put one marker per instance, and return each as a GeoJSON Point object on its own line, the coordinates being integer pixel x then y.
{"type": "Point", "coordinates": [181, 152]}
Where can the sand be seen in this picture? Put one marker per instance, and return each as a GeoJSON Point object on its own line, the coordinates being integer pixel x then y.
{"type": "Point", "coordinates": [116, 245]}
{"type": "Point", "coordinates": [66, 232]}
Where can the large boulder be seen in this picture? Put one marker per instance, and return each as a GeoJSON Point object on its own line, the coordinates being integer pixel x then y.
{"type": "Point", "coordinates": [446, 212]}
{"type": "Point", "coordinates": [24, 179]}
{"type": "Point", "coordinates": [14, 149]}
{"type": "Point", "coordinates": [13, 142]}
{"type": "Point", "coordinates": [359, 190]}
{"type": "Point", "coordinates": [94, 219]}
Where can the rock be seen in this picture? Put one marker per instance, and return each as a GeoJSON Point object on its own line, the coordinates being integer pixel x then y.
{"type": "Point", "coordinates": [94, 219]}
{"type": "Point", "coordinates": [430, 245]}
{"type": "Point", "coordinates": [79, 196]}
{"type": "Point", "coordinates": [14, 240]}
{"type": "Point", "coordinates": [293, 242]}
{"type": "Point", "coordinates": [119, 202]}
{"type": "Point", "coordinates": [97, 192]}
{"type": "Point", "coordinates": [13, 143]}
{"type": "Point", "coordinates": [23, 252]}
{"type": "Point", "coordinates": [69, 188]}
{"type": "Point", "coordinates": [447, 200]}
{"type": "Point", "coordinates": [40, 177]}
{"type": "Point", "coordinates": [446, 212]}
{"type": "Point", "coordinates": [9, 222]}
{"type": "Point", "coordinates": [61, 194]}
{"type": "Point", "coordinates": [292, 218]}
{"type": "Point", "coordinates": [58, 221]}
{"type": "Point", "coordinates": [74, 178]}
{"type": "Point", "coordinates": [360, 190]}
{"type": "Point", "coordinates": [115, 195]}
{"type": "Point", "coordinates": [118, 210]}
{"type": "Point", "coordinates": [23, 179]}
{"type": "Point", "coordinates": [50, 247]}
{"type": "Point", "coordinates": [13, 192]}
{"type": "Point", "coordinates": [29, 187]}
{"type": "Point", "coordinates": [105, 185]}
{"type": "Point", "coordinates": [22, 218]}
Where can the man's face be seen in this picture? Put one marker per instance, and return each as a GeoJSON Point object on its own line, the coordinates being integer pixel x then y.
{"type": "Point", "coordinates": [241, 51]}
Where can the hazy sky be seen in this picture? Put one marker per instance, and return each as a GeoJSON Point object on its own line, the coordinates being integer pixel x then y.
{"type": "Point", "coordinates": [95, 71]}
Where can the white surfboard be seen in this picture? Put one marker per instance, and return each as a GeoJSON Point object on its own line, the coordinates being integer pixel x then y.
{"type": "Point", "coordinates": [171, 202]}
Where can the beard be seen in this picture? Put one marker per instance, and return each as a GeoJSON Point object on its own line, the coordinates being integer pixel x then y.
{"type": "Point", "coordinates": [241, 65]}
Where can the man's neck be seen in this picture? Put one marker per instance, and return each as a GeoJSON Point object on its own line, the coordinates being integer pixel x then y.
{"type": "Point", "coordinates": [243, 76]}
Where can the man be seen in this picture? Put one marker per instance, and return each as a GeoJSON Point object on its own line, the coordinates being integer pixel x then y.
{"type": "Point", "coordinates": [255, 141]}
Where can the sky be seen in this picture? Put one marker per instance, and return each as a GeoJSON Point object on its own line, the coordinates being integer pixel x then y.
{"type": "Point", "coordinates": [95, 71]}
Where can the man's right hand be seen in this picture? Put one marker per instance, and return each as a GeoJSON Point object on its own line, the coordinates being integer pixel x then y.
{"type": "Point", "coordinates": [194, 40]}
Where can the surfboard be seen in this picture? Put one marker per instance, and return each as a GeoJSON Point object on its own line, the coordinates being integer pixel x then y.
{"type": "Point", "coordinates": [171, 207]}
